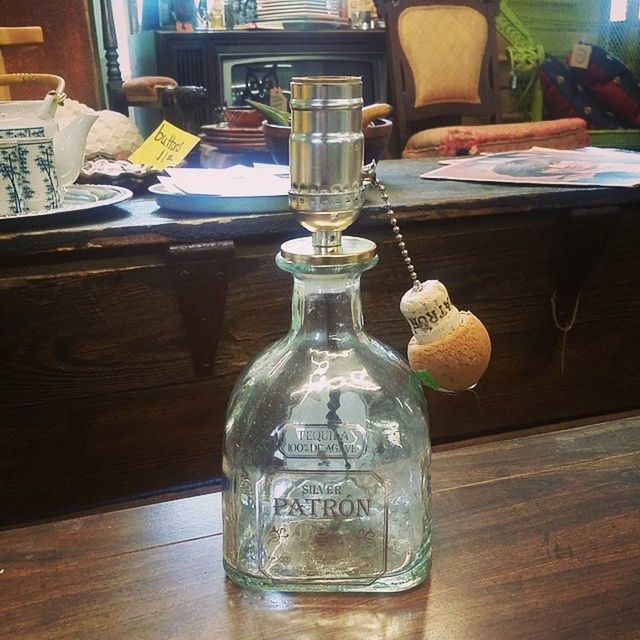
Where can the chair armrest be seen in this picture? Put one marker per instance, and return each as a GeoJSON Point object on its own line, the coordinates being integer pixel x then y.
{"type": "Point", "coordinates": [144, 90]}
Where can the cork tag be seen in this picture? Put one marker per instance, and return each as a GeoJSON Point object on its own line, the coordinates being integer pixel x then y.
{"type": "Point", "coordinates": [580, 56]}
{"type": "Point", "coordinates": [166, 147]}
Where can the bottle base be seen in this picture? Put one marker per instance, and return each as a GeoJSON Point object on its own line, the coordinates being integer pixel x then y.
{"type": "Point", "coordinates": [395, 583]}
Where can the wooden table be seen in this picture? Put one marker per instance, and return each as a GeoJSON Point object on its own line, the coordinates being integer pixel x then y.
{"type": "Point", "coordinates": [536, 537]}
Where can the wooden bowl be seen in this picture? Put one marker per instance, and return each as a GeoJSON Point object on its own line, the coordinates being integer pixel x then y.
{"type": "Point", "coordinates": [376, 139]}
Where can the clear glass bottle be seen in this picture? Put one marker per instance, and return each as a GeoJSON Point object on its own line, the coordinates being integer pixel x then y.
{"type": "Point", "coordinates": [327, 458]}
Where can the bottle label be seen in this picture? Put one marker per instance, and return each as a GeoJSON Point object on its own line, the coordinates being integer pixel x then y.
{"type": "Point", "coordinates": [321, 441]}
{"type": "Point", "coordinates": [319, 526]}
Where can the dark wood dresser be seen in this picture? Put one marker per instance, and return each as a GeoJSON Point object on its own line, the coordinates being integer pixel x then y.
{"type": "Point", "coordinates": [122, 330]}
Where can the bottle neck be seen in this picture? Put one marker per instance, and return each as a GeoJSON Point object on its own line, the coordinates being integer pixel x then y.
{"type": "Point", "coordinates": [326, 306]}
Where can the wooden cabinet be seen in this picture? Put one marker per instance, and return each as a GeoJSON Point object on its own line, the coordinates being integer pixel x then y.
{"type": "Point", "coordinates": [109, 326]}
{"type": "Point", "coordinates": [102, 353]}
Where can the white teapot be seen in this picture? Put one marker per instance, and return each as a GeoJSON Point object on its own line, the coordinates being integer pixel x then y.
{"type": "Point", "coordinates": [36, 160]}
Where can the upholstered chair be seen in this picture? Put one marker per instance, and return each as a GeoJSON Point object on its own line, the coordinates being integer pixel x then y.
{"type": "Point", "coordinates": [443, 66]}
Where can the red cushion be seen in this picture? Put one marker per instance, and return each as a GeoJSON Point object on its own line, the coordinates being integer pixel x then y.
{"type": "Point", "coordinates": [567, 133]}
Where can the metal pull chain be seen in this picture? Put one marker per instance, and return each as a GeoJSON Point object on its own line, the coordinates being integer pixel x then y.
{"type": "Point", "coordinates": [382, 190]}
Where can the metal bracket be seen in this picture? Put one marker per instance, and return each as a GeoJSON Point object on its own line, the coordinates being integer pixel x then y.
{"type": "Point", "coordinates": [200, 276]}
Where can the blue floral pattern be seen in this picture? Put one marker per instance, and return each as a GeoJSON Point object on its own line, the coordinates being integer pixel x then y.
{"type": "Point", "coordinates": [45, 163]}
{"type": "Point", "coordinates": [9, 174]}
{"type": "Point", "coordinates": [22, 132]}
{"type": "Point", "coordinates": [28, 178]}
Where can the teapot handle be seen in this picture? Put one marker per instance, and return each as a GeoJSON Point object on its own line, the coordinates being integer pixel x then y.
{"type": "Point", "coordinates": [56, 82]}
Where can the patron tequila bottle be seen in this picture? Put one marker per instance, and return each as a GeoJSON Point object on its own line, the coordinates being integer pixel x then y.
{"type": "Point", "coordinates": [326, 455]}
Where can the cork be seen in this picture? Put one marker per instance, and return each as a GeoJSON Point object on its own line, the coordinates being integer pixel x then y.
{"type": "Point", "coordinates": [450, 349]}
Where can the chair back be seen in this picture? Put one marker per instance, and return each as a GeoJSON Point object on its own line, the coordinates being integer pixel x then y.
{"type": "Point", "coordinates": [13, 36]}
{"type": "Point", "coordinates": [442, 60]}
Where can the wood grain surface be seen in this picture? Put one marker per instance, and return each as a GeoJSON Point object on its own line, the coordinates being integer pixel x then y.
{"type": "Point", "coordinates": [99, 399]}
{"type": "Point", "coordinates": [142, 223]}
{"type": "Point", "coordinates": [534, 538]}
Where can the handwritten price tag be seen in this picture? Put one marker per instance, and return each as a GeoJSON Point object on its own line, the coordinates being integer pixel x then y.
{"type": "Point", "coordinates": [167, 146]}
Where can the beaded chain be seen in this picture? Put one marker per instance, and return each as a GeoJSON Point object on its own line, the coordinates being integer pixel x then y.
{"type": "Point", "coordinates": [382, 190]}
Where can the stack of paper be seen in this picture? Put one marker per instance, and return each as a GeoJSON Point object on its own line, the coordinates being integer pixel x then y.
{"type": "Point", "coordinates": [238, 181]}
{"type": "Point", "coordinates": [590, 166]}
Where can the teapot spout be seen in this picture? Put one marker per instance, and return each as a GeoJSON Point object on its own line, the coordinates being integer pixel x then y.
{"type": "Point", "coordinates": [69, 145]}
{"type": "Point", "coordinates": [50, 103]}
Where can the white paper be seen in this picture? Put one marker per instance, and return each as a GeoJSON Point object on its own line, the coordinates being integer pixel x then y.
{"type": "Point", "coordinates": [239, 180]}
{"type": "Point", "coordinates": [589, 166]}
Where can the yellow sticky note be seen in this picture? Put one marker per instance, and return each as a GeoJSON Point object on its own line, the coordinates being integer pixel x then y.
{"type": "Point", "coordinates": [165, 147]}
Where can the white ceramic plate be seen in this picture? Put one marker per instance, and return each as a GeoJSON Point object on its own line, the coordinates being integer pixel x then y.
{"type": "Point", "coordinates": [218, 205]}
{"type": "Point", "coordinates": [81, 197]}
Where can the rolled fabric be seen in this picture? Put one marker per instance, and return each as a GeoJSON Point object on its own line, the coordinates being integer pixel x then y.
{"type": "Point", "coordinates": [450, 349]}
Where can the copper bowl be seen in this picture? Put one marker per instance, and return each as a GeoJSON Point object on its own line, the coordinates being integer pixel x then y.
{"type": "Point", "coordinates": [376, 138]}
{"type": "Point", "coordinates": [242, 117]}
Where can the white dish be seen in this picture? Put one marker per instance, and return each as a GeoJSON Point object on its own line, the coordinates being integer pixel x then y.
{"type": "Point", "coordinates": [218, 205]}
{"type": "Point", "coordinates": [81, 197]}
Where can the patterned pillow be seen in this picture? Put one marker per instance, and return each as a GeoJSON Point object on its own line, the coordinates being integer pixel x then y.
{"type": "Point", "coordinates": [564, 97]}
{"type": "Point", "coordinates": [612, 84]}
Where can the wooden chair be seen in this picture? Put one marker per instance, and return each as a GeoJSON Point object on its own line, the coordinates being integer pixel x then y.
{"type": "Point", "coordinates": [10, 36]}
{"type": "Point", "coordinates": [442, 59]}
{"type": "Point", "coordinates": [443, 65]}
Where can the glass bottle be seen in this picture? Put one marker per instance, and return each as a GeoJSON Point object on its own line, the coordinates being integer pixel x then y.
{"type": "Point", "coordinates": [326, 457]}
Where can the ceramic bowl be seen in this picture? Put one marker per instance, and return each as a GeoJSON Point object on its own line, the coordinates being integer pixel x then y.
{"type": "Point", "coordinates": [276, 137]}
{"type": "Point", "coordinates": [376, 140]}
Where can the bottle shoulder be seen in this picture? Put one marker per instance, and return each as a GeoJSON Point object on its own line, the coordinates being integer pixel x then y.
{"type": "Point", "coordinates": [295, 356]}
{"type": "Point", "coordinates": [295, 371]}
